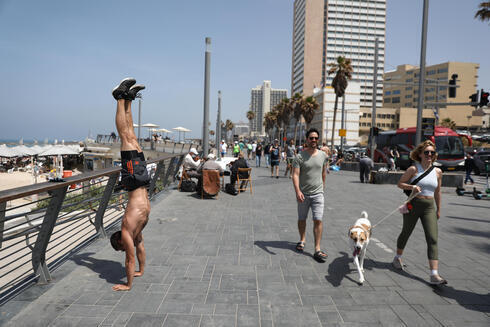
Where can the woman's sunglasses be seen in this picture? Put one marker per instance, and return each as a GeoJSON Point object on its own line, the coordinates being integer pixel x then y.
{"type": "Point", "coordinates": [313, 138]}
{"type": "Point", "coordinates": [429, 152]}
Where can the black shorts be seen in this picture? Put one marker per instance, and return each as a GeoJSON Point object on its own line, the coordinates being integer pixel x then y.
{"type": "Point", "coordinates": [133, 170]}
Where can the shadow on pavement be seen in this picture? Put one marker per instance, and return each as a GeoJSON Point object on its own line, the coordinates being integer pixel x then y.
{"type": "Point", "coordinates": [265, 245]}
{"type": "Point", "coordinates": [112, 271]}
{"type": "Point", "coordinates": [469, 300]}
{"type": "Point", "coordinates": [339, 268]}
{"type": "Point", "coordinates": [469, 205]}
{"type": "Point", "coordinates": [466, 231]}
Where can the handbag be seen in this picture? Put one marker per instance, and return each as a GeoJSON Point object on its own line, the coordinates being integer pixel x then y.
{"type": "Point", "coordinates": [407, 192]}
{"type": "Point", "coordinates": [188, 186]}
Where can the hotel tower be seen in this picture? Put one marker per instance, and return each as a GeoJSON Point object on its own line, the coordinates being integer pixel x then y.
{"type": "Point", "coordinates": [326, 29]}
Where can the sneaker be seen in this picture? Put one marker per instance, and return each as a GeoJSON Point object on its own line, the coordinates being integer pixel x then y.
{"type": "Point", "coordinates": [397, 263]}
{"type": "Point", "coordinates": [133, 91]}
{"type": "Point", "coordinates": [119, 91]}
{"type": "Point", "coordinates": [437, 280]}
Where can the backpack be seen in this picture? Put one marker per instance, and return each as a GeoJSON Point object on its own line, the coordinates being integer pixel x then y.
{"type": "Point", "coordinates": [188, 186]}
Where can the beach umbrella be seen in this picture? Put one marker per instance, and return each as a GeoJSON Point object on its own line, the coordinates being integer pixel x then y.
{"type": "Point", "coordinates": [25, 151]}
{"type": "Point", "coordinates": [181, 129]}
{"type": "Point", "coordinates": [59, 151]}
{"type": "Point", "coordinates": [6, 152]}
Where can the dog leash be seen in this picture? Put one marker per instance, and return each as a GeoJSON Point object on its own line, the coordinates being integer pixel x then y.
{"type": "Point", "coordinates": [412, 195]}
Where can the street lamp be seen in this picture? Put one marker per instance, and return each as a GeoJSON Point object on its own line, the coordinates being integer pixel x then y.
{"type": "Point", "coordinates": [139, 96]}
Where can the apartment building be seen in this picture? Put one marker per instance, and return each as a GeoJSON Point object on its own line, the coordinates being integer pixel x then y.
{"type": "Point", "coordinates": [262, 100]}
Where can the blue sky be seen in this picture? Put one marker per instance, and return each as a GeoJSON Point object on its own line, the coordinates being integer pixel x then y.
{"type": "Point", "coordinates": [60, 59]}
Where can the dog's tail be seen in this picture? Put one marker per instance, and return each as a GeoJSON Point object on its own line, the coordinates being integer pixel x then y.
{"type": "Point", "coordinates": [364, 214]}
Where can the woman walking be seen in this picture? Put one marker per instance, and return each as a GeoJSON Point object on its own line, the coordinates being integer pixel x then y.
{"type": "Point", "coordinates": [426, 205]}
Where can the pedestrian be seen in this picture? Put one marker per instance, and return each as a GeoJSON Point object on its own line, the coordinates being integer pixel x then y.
{"type": "Point", "coordinates": [275, 154]}
{"type": "Point", "coordinates": [223, 148]}
{"type": "Point", "coordinates": [249, 150]}
{"type": "Point", "coordinates": [365, 166]}
{"type": "Point", "coordinates": [258, 154]}
{"type": "Point", "coordinates": [236, 149]}
{"type": "Point", "coordinates": [254, 149]}
{"type": "Point", "coordinates": [391, 159]}
{"type": "Point", "coordinates": [469, 165]}
{"type": "Point", "coordinates": [309, 173]}
{"type": "Point", "coordinates": [134, 178]}
{"type": "Point", "coordinates": [426, 206]}
{"type": "Point", "coordinates": [290, 151]}
{"type": "Point", "coordinates": [267, 154]}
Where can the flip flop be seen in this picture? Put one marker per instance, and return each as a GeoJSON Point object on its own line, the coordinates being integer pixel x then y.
{"type": "Point", "coordinates": [300, 246]}
{"type": "Point", "coordinates": [320, 256]}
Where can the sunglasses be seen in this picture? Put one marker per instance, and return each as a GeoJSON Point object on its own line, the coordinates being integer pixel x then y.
{"type": "Point", "coordinates": [429, 152]}
{"type": "Point", "coordinates": [313, 138]}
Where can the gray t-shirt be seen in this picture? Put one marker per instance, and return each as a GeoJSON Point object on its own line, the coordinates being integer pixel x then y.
{"type": "Point", "coordinates": [310, 171]}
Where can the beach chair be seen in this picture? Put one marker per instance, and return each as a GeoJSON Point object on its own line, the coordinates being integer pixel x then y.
{"type": "Point", "coordinates": [244, 183]}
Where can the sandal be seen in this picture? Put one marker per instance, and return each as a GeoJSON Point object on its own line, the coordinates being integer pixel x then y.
{"type": "Point", "coordinates": [320, 256]}
{"type": "Point", "coordinates": [300, 246]}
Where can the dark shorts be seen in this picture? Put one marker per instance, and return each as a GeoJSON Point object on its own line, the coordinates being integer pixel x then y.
{"type": "Point", "coordinates": [275, 162]}
{"type": "Point", "coordinates": [133, 170]}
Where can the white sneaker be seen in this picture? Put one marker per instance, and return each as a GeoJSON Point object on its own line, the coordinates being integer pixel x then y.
{"type": "Point", "coordinates": [397, 263]}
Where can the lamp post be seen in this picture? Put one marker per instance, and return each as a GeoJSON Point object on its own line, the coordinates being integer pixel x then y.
{"type": "Point", "coordinates": [218, 127]}
{"type": "Point", "coordinates": [139, 117]}
{"type": "Point", "coordinates": [205, 127]}
{"type": "Point", "coordinates": [423, 47]}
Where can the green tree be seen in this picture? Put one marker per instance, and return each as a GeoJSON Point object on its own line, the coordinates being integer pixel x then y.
{"type": "Point", "coordinates": [449, 123]}
{"type": "Point", "coordinates": [269, 122]}
{"type": "Point", "coordinates": [310, 106]}
{"type": "Point", "coordinates": [284, 114]}
{"type": "Point", "coordinates": [483, 13]}
{"type": "Point", "coordinates": [342, 69]}
{"type": "Point", "coordinates": [229, 126]}
{"type": "Point", "coordinates": [297, 111]}
{"type": "Point", "coordinates": [250, 117]}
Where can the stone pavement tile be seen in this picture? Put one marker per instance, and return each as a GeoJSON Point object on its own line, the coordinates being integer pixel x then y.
{"type": "Point", "coordinates": [176, 320]}
{"type": "Point", "coordinates": [426, 296]}
{"type": "Point", "coordinates": [175, 307]}
{"type": "Point", "coordinates": [411, 317]}
{"type": "Point", "coordinates": [234, 282]}
{"type": "Point", "coordinates": [154, 274]}
{"type": "Point", "coordinates": [252, 297]}
{"type": "Point", "coordinates": [225, 259]}
{"type": "Point", "coordinates": [286, 315]}
{"type": "Point", "coordinates": [380, 314]}
{"type": "Point", "coordinates": [81, 310]}
{"type": "Point", "coordinates": [33, 292]}
{"type": "Point", "coordinates": [9, 309]}
{"type": "Point", "coordinates": [225, 309]}
{"type": "Point", "coordinates": [233, 269]}
{"type": "Point", "coordinates": [109, 298]}
{"type": "Point", "coordinates": [175, 271]}
{"type": "Point", "coordinates": [377, 297]}
{"type": "Point", "coordinates": [206, 249]}
{"type": "Point", "coordinates": [231, 297]}
{"type": "Point", "coordinates": [188, 287]}
{"type": "Point", "coordinates": [205, 309]}
{"type": "Point", "coordinates": [139, 302]}
{"type": "Point", "coordinates": [117, 318]}
{"type": "Point", "coordinates": [248, 315]}
{"type": "Point", "coordinates": [90, 297]}
{"type": "Point", "coordinates": [195, 271]}
{"type": "Point", "coordinates": [158, 288]}
{"type": "Point", "coordinates": [254, 259]}
{"type": "Point", "coordinates": [146, 320]}
{"type": "Point", "coordinates": [66, 322]}
{"type": "Point", "coordinates": [322, 300]}
{"type": "Point", "coordinates": [187, 259]}
{"type": "Point", "coordinates": [287, 295]}
{"type": "Point", "coordinates": [39, 314]}
{"type": "Point", "coordinates": [185, 297]}
{"type": "Point", "coordinates": [218, 321]}
{"type": "Point", "coordinates": [330, 317]}
{"type": "Point", "coordinates": [457, 314]}
{"type": "Point", "coordinates": [376, 278]}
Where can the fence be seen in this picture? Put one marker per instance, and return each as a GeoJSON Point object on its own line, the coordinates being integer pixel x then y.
{"type": "Point", "coordinates": [35, 237]}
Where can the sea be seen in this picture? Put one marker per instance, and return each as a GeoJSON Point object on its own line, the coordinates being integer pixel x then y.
{"type": "Point", "coordinates": [29, 142]}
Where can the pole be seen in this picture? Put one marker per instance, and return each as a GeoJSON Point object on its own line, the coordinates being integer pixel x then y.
{"type": "Point", "coordinates": [205, 127]}
{"type": "Point", "coordinates": [342, 123]}
{"type": "Point", "coordinates": [423, 46]}
{"type": "Point", "coordinates": [218, 127]}
{"type": "Point", "coordinates": [375, 91]}
{"type": "Point", "coordinates": [437, 106]}
{"type": "Point", "coordinates": [139, 120]}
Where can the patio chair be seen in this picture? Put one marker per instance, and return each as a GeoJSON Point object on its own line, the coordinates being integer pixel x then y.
{"type": "Point", "coordinates": [244, 183]}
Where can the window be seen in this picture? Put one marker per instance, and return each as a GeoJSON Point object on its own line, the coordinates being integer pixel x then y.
{"type": "Point", "coordinates": [442, 70]}
{"type": "Point", "coordinates": [396, 92]}
{"type": "Point", "coordinates": [396, 100]}
{"type": "Point", "coordinates": [431, 72]}
{"type": "Point", "coordinates": [408, 88]}
{"type": "Point", "coordinates": [387, 92]}
{"type": "Point", "coordinates": [408, 96]}
{"type": "Point", "coordinates": [409, 80]}
{"type": "Point", "coordinates": [388, 100]}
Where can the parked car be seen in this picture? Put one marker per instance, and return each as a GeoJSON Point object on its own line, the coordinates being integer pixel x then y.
{"type": "Point", "coordinates": [480, 157]}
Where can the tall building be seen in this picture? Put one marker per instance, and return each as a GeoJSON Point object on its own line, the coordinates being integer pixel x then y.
{"type": "Point", "coordinates": [263, 99]}
{"type": "Point", "coordinates": [326, 29]}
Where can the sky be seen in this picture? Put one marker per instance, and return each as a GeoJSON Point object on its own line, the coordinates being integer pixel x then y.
{"type": "Point", "coordinates": [60, 59]}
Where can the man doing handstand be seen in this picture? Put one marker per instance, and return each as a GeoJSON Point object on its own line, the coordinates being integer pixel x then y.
{"type": "Point", "coordinates": [134, 178]}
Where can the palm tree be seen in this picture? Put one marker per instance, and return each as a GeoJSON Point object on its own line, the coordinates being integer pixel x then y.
{"type": "Point", "coordinates": [268, 122]}
{"type": "Point", "coordinates": [284, 114]}
{"type": "Point", "coordinates": [297, 110]}
{"type": "Point", "coordinates": [229, 126]}
{"type": "Point", "coordinates": [343, 73]}
{"type": "Point", "coordinates": [250, 117]}
{"type": "Point", "coordinates": [310, 106]}
{"type": "Point", "coordinates": [449, 123]}
{"type": "Point", "coordinates": [484, 13]}
{"type": "Point", "coordinates": [276, 121]}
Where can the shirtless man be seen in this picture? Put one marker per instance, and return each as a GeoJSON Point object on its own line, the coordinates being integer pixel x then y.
{"type": "Point", "coordinates": [134, 178]}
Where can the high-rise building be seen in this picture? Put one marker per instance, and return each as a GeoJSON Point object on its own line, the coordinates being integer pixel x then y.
{"type": "Point", "coordinates": [326, 29]}
{"type": "Point", "coordinates": [263, 99]}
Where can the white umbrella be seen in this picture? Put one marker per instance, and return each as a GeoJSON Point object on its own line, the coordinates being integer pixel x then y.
{"type": "Point", "coordinates": [150, 125]}
{"type": "Point", "coordinates": [59, 151]}
{"type": "Point", "coordinates": [7, 152]}
{"type": "Point", "coordinates": [181, 129]}
{"type": "Point", "coordinates": [25, 151]}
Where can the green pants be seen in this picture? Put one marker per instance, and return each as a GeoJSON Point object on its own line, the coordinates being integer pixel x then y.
{"type": "Point", "coordinates": [425, 210]}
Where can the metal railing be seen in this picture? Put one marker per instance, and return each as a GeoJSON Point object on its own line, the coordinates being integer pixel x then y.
{"type": "Point", "coordinates": [37, 235]}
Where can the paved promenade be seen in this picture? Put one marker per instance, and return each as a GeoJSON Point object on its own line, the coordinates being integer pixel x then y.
{"type": "Point", "coordinates": [231, 262]}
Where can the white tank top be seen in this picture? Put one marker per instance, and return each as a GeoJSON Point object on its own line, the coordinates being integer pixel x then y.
{"type": "Point", "coordinates": [428, 184]}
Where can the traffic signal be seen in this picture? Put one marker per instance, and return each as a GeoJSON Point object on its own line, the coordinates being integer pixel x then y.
{"type": "Point", "coordinates": [474, 98]}
{"type": "Point", "coordinates": [375, 131]}
{"type": "Point", "coordinates": [452, 89]}
{"type": "Point", "coordinates": [483, 99]}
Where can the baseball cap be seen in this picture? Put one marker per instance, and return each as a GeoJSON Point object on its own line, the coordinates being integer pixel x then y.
{"type": "Point", "coordinates": [193, 150]}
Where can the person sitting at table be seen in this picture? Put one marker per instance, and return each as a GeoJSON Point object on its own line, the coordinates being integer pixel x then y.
{"type": "Point", "coordinates": [239, 163]}
{"type": "Point", "coordinates": [191, 163]}
{"type": "Point", "coordinates": [209, 163]}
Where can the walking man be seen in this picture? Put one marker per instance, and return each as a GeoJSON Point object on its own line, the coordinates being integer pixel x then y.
{"type": "Point", "coordinates": [309, 172]}
{"type": "Point", "coordinates": [365, 166]}
{"type": "Point", "coordinates": [134, 178]}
